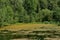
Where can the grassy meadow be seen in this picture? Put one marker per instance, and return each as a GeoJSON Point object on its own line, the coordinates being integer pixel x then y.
{"type": "Point", "coordinates": [30, 31]}
{"type": "Point", "coordinates": [29, 26]}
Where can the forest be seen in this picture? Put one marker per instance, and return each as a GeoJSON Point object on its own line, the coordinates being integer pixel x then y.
{"type": "Point", "coordinates": [29, 11]}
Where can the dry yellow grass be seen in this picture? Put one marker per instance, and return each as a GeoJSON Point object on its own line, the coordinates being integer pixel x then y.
{"type": "Point", "coordinates": [17, 27]}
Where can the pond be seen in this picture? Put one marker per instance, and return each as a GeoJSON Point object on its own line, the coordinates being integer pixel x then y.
{"type": "Point", "coordinates": [20, 39]}
{"type": "Point", "coordinates": [29, 39]}
{"type": "Point", "coordinates": [30, 35]}
{"type": "Point", "coordinates": [37, 39]}
{"type": "Point", "coordinates": [23, 39]}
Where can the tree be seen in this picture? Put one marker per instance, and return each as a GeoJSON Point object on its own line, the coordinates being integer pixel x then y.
{"type": "Point", "coordinates": [31, 7]}
{"type": "Point", "coordinates": [9, 14]}
{"type": "Point", "coordinates": [43, 4]}
{"type": "Point", "coordinates": [26, 11]}
{"type": "Point", "coordinates": [56, 15]}
{"type": "Point", "coordinates": [45, 15]}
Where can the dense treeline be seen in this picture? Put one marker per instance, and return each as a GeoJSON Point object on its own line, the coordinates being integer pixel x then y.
{"type": "Point", "coordinates": [27, 11]}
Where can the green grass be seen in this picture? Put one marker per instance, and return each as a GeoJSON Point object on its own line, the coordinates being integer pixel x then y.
{"type": "Point", "coordinates": [27, 26]}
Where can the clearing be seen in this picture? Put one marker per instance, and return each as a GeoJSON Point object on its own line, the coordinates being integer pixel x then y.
{"type": "Point", "coordinates": [17, 27]}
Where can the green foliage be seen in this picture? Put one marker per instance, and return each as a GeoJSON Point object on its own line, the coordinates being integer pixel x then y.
{"type": "Point", "coordinates": [27, 11]}
{"type": "Point", "coordinates": [47, 15]}
{"type": "Point", "coordinates": [56, 15]}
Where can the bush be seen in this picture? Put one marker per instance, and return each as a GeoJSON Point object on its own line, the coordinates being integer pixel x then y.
{"type": "Point", "coordinates": [58, 23]}
{"type": "Point", "coordinates": [46, 22]}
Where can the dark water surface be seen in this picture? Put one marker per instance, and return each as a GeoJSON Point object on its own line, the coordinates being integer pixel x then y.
{"type": "Point", "coordinates": [37, 39]}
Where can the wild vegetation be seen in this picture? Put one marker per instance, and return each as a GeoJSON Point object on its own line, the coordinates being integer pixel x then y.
{"type": "Point", "coordinates": [30, 32]}
{"type": "Point", "coordinates": [29, 11]}
{"type": "Point", "coordinates": [29, 19]}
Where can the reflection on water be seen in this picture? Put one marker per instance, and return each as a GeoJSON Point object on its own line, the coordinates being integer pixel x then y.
{"type": "Point", "coordinates": [20, 39]}
{"type": "Point", "coordinates": [37, 39]}
{"type": "Point", "coordinates": [25, 39]}
{"type": "Point", "coordinates": [29, 39]}
{"type": "Point", "coordinates": [30, 35]}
